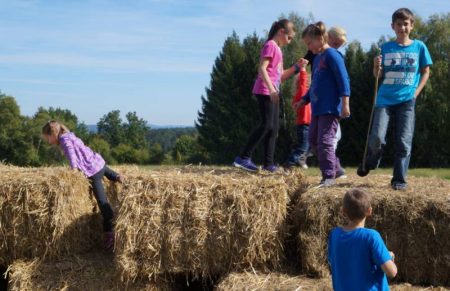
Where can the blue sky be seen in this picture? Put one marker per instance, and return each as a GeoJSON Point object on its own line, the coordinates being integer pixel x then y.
{"type": "Point", "coordinates": [153, 57]}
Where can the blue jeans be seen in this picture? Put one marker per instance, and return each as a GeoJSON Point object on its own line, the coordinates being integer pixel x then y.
{"type": "Point", "coordinates": [403, 117]}
{"type": "Point", "coordinates": [302, 145]}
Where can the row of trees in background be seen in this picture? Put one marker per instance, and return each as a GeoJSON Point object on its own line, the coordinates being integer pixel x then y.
{"type": "Point", "coordinates": [229, 111]}
{"type": "Point", "coordinates": [130, 141]}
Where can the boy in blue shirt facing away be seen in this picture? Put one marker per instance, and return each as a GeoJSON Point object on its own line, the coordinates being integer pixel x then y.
{"type": "Point", "coordinates": [404, 67]}
{"type": "Point", "coordinates": [358, 257]}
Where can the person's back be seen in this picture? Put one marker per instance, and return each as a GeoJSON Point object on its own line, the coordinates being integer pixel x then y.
{"type": "Point", "coordinates": [355, 257]}
{"type": "Point", "coordinates": [358, 257]}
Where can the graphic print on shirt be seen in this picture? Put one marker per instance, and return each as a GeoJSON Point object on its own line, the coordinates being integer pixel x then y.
{"type": "Point", "coordinates": [400, 68]}
{"type": "Point", "coordinates": [320, 67]}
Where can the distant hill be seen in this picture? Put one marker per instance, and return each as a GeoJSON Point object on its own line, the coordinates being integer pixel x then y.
{"type": "Point", "coordinates": [93, 127]}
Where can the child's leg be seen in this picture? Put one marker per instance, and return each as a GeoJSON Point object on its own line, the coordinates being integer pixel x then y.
{"type": "Point", "coordinates": [312, 134]}
{"type": "Point", "coordinates": [302, 144]}
{"type": "Point", "coordinates": [102, 200]}
{"type": "Point", "coordinates": [380, 122]}
{"type": "Point", "coordinates": [404, 131]}
{"type": "Point", "coordinates": [266, 113]}
{"type": "Point", "coordinates": [327, 127]}
{"type": "Point", "coordinates": [272, 133]}
{"type": "Point", "coordinates": [110, 174]}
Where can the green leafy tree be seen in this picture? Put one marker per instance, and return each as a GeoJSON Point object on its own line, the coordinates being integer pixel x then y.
{"type": "Point", "coordinates": [135, 131]}
{"type": "Point", "coordinates": [110, 128]}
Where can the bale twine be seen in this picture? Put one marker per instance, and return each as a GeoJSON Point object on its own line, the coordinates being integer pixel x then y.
{"type": "Point", "coordinates": [415, 225]}
{"type": "Point", "coordinates": [45, 212]}
{"type": "Point", "coordinates": [203, 223]}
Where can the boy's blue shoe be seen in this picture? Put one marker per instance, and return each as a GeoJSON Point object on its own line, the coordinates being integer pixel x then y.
{"type": "Point", "coordinates": [245, 164]}
{"type": "Point", "coordinates": [271, 168]}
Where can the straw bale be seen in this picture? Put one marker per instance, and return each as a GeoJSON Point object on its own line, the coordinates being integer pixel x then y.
{"type": "Point", "coordinates": [415, 224]}
{"type": "Point", "coordinates": [271, 282]}
{"type": "Point", "coordinates": [204, 223]}
{"type": "Point", "coordinates": [88, 272]}
{"type": "Point", "coordinates": [45, 212]}
{"type": "Point", "coordinates": [282, 282]}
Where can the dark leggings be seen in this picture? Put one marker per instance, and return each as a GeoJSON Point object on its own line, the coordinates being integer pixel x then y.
{"type": "Point", "coordinates": [100, 196]}
{"type": "Point", "coordinates": [267, 130]}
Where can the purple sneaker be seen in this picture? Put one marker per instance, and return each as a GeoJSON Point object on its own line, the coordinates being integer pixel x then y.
{"type": "Point", "coordinates": [245, 164]}
{"type": "Point", "coordinates": [271, 168]}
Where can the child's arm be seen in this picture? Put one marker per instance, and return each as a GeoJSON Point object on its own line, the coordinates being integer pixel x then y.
{"type": "Point", "coordinates": [424, 75]}
{"type": "Point", "coordinates": [390, 268]}
{"type": "Point", "coordinates": [69, 150]}
{"type": "Point", "coordinates": [294, 69]}
{"type": "Point", "coordinates": [265, 76]}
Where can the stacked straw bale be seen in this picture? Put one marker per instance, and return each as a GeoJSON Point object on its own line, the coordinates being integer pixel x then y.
{"type": "Point", "coordinates": [201, 222]}
{"type": "Point", "coordinates": [279, 282]}
{"type": "Point", "coordinates": [45, 212]}
{"type": "Point", "coordinates": [89, 272]}
{"type": "Point", "coordinates": [415, 224]}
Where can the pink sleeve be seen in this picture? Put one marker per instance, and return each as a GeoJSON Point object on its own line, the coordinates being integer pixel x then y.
{"type": "Point", "coordinates": [268, 50]}
{"type": "Point", "coordinates": [69, 151]}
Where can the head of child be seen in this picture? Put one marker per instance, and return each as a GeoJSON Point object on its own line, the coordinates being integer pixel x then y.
{"type": "Point", "coordinates": [357, 205]}
{"type": "Point", "coordinates": [337, 37]}
{"type": "Point", "coordinates": [52, 130]}
{"type": "Point", "coordinates": [282, 32]}
{"type": "Point", "coordinates": [315, 37]}
{"type": "Point", "coordinates": [402, 22]}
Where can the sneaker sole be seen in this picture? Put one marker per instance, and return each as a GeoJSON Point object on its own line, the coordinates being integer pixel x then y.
{"type": "Point", "coordinates": [243, 168]}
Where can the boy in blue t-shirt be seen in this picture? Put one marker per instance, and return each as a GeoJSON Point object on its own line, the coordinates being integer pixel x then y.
{"type": "Point", "coordinates": [404, 67]}
{"type": "Point", "coordinates": [358, 257]}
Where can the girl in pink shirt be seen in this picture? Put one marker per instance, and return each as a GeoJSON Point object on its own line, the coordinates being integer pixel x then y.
{"type": "Point", "coordinates": [91, 164]}
{"type": "Point", "coordinates": [266, 90]}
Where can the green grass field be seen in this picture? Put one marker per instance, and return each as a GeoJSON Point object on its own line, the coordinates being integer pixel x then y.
{"type": "Point", "coordinates": [443, 173]}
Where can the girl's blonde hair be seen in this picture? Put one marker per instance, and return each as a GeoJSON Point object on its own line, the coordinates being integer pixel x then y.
{"type": "Point", "coordinates": [338, 32]}
{"type": "Point", "coordinates": [54, 128]}
{"type": "Point", "coordinates": [316, 30]}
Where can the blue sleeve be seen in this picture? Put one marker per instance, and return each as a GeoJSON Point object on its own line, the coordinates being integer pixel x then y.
{"type": "Point", "coordinates": [424, 57]}
{"type": "Point", "coordinates": [380, 253]}
{"type": "Point", "coordinates": [337, 65]}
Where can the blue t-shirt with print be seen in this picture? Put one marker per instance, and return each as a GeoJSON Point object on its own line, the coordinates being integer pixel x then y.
{"type": "Point", "coordinates": [355, 258]}
{"type": "Point", "coordinates": [330, 82]}
{"type": "Point", "coordinates": [401, 71]}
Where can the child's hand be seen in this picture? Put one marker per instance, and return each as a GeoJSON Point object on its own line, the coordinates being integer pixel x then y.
{"type": "Point", "coordinates": [377, 63]}
{"type": "Point", "coordinates": [274, 97]}
{"type": "Point", "coordinates": [345, 112]}
{"type": "Point", "coordinates": [303, 63]}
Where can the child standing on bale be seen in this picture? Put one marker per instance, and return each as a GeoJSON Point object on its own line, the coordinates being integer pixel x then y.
{"type": "Point", "coordinates": [300, 152]}
{"type": "Point", "coordinates": [329, 96]}
{"type": "Point", "coordinates": [267, 90]}
{"type": "Point", "coordinates": [358, 257]}
{"type": "Point", "coordinates": [404, 67]}
{"type": "Point", "coordinates": [91, 164]}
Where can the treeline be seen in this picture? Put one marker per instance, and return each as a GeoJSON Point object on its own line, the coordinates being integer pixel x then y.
{"type": "Point", "coordinates": [128, 141]}
{"type": "Point", "coordinates": [229, 111]}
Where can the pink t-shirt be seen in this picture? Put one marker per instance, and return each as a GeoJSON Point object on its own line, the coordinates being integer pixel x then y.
{"type": "Point", "coordinates": [275, 68]}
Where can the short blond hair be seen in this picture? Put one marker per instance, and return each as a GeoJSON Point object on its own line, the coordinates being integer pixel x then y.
{"type": "Point", "coordinates": [338, 32]}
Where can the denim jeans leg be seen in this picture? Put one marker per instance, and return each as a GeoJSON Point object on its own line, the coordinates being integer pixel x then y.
{"type": "Point", "coordinates": [377, 136]}
{"type": "Point", "coordinates": [403, 134]}
{"type": "Point", "coordinates": [302, 143]}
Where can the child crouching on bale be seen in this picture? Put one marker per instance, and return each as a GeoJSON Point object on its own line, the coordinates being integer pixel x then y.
{"type": "Point", "coordinates": [91, 164]}
{"type": "Point", "coordinates": [357, 255]}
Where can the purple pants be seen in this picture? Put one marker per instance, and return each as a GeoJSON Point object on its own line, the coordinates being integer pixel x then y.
{"type": "Point", "coordinates": [322, 134]}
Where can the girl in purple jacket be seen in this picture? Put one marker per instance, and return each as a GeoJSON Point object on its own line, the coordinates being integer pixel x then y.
{"type": "Point", "coordinates": [91, 164]}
